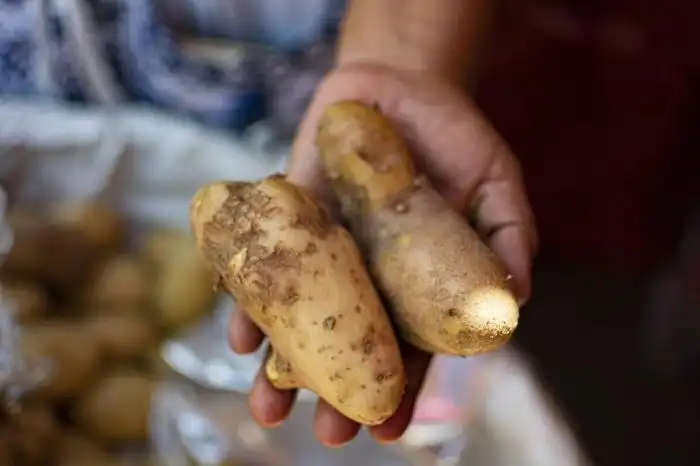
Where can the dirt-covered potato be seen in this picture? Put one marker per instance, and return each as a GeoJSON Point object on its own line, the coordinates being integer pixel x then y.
{"type": "Point", "coordinates": [70, 354]}
{"type": "Point", "coordinates": [54, 255]}
{"type": "Point", "coordinates": [28, 301]}
{"type": "Point", "coordinates": [117, 408]}
{"type": "Point", "coordinates": [124, 337]}
{"type": "Point", "coordinates": [101, 225]}
{"type": "Point", "coordinates": [301, 278]}
{"type": "Point", "coordinates": [120, 282]}
{"type": "Point", "coordinates": [447, 290]}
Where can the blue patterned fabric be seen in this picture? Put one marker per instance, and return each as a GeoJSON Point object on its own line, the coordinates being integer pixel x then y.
{"type": "Point", "coordinates": [110, 51]}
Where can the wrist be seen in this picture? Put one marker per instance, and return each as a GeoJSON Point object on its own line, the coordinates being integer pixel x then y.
{"type": "Point", "coordinates": [440, 38]}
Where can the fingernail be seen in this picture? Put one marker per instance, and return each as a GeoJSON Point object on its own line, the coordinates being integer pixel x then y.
{"type": "Point", "coordinates": [335, 445]}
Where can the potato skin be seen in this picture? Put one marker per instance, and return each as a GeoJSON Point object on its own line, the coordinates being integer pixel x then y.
{"type": "Point", "coordinates": [181, 281]}
{"type": "Point", "coordinates": [54, 255]}
{"type": "Point", "coordinates": [124, 337]}
{"type": "Point", "coordinates": [117, 409]}
{"type": "Point", "coordinates": [71, 354]}
{"type": "Point", "coordinates": [183, 290]}
{"type": "Point", "coordinates": [446, 289]}
{"type": "Point", "coordinates": [29, 301]}
{"type": "Point", "coordinates": [34, 432]}
{"type": "Point", "coordinates": [301, 278]}
{"type": "Point", "coordinates": [458, 285]}
{"type": "Point", "coordinates": [119, 282]}
{"type": "Point", "coordinates": [77, 450]}
{"type": "Point", "coordinates": [101, 225]}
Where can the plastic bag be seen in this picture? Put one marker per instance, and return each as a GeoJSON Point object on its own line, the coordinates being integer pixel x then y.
{"type": "Point", "coordinates": [215, 428]}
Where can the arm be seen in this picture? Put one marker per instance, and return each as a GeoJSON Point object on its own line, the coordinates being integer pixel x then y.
{"type": "Point", "coordinates": [437, 36]}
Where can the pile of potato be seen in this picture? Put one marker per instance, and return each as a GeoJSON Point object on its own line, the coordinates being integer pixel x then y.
{"type": "Point", "coordinates": [92, 313]}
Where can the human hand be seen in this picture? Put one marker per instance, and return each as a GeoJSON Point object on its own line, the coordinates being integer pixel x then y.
{"type": "Point", "coordinates": [469, 165]}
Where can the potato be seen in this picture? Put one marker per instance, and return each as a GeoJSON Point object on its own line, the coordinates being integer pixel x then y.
{"type": "Point", "coordinates": [120, 282]}
{"type": "Point", "coordinates": [124, 337]}
{"type": "Point", "coordinates": [301, 278]}
{"type": "Point", "coordinates": [182, 287]}
{"type": "Point", "coordinates": [102, 226]}
{"type": "Point", "coordinates": [29, 302]}
{"type": "Point", "coordinates": [51, 254]}
{"type": "Point", "coordinates": [116, 409]}
{"type": "Point", "coordinates": [35, 434]}
{"type": "Point", "coordinates": [160, 244]}
{"type": "Point", "coordinates": [77, 450]}
{"type": "Point", "coordinates": [70, 353]}
{"type": "Point", "coordinates": [446, 289]}
{"type": "Point", "coordinates": [6, 443]}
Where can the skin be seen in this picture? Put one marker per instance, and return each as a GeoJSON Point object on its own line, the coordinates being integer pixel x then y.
{"type": "Point", "coordinates": [405, 56]}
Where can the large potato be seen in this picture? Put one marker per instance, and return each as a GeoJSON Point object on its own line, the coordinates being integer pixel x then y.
{"type": "Point", "coordinates": [117, 408]}
{"type": "Point", "coordinates": [447, 290]}
{"type": "Point", "coordinates": [301, 278]}
{"type": "Point", "coordinates": [70, 353]}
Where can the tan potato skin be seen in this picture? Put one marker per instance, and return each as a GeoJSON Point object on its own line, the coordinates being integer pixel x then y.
{"type": "Point", "coordinates": [29, 301]}
{"type": "Point", "coordinates": [447, 292]}
{"type": "Point", "coordinates": [117, 408]}
{"type": "Point", "coordinates": [71, 356]}
{"type": "Point", "coordinates": [69, 263]}
{"type": "Point", "coordinates": [124, 337]}
{"type": "Point", "coordinates": [120, 282]}
{"type": "Point", "coordinates": [301, 278]}
{"type": "Point", "coordinates": [102, 226]}
{"type": "Point", "coordinates": [279, 371]}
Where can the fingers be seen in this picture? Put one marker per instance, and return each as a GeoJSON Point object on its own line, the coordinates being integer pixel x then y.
{"type": "Point", "coordinates": [243, 335]}
{"type": "Point", "coordinates": [269, 406]}
{"type": "Point", "coordinates": [332, 428]}
{"type": "Point", "coordinates": [504, 219]}
{"type": "Point", "coordinates": [416, 368]}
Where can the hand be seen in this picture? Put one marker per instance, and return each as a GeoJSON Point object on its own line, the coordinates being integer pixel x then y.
{"type": "Point", "coordinates": [467, 162]}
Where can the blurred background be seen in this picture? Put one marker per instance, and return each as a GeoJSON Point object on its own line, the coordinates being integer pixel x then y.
{"type": "Point", "coordinates": [131, 104]}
